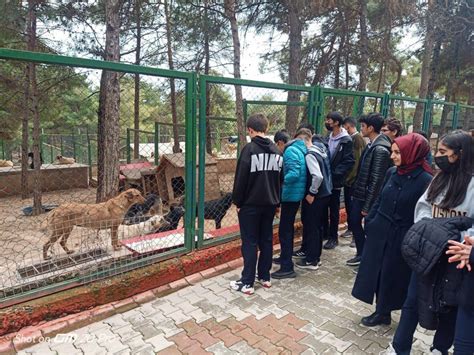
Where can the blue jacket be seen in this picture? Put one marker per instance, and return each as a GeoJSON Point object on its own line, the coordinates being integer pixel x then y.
{"type": "Point", "coordinates": [294, 170]}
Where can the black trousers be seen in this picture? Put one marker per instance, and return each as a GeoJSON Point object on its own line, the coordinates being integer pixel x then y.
{"type": "Point", "coordinates": [348, 191]}
{"type": "Point", "coordinates": [312, 232]}
{"type": "Point", "coordinates": [286, 233]}
{"type": "Point", "coordinates": [356, 225]}
{"type": "Point", "coordinates": [334, 207]}
{"type": "Point", "coordinates": [256, 231]}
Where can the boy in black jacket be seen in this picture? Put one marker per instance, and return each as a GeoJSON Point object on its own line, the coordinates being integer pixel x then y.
{"type": "Point", "coordinates": [257, 195]}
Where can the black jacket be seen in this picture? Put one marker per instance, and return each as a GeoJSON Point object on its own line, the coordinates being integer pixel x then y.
{"type": "Point", "coordinates": [373, 166]}
{"type": "Point", "coordinates": [342, 162]}
{"type": "Point", "coordinates": [424, 248]}
{"type": "Point", "coordinates": [466, 292]}
{"type": "Point", "coordinates": [257, 177]}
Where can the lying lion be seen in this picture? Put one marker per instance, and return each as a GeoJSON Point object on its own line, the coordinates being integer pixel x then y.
{"type": "Point", "coordinates": [105, 215]}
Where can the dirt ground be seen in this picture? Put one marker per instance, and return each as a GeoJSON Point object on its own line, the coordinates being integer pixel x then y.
{"type": "Point", "coordinates": [21, 237]}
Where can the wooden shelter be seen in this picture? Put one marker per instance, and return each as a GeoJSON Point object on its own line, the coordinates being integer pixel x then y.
{"type": "Point", "coordinates": [170, 175]}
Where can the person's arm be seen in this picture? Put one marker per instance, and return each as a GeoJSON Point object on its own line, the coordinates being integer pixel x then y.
{"type": "Point", "coordinates": [292, 167]}
{"type": "Point", "coordinates": [423, 208]}
{"type": "Point", "coordinates": [315, 172]}
{"type": "Point", "coordinates": [346, 163]}
{"type": "Point", "coordinates": [242, 174]}
{"type": "Point", "coordinates": [380, 164]}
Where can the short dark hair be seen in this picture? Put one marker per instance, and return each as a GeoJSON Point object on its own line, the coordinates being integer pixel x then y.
{"type": "Point", "coordinates": [350, 120]}
{"type": "Point", "coordinates": [281, 135]}
{"type": "Point", "coordinates": [258, 122]}
{"type": "Point", "coordinates": [394, 125]}
{"type": "Point", "coordinates": [306, 125]}
{"type": "Point", "coordinates": [336, 117]}
{"type": "Point", "coordinates": [421, 133]}
{"type": "Point", "coordinates": [304, 132]}
{"type": "Point", "coordinates": [373, 119]}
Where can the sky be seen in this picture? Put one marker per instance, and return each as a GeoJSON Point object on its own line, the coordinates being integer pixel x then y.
{"type": "Point", "coordinates": [253, 47]}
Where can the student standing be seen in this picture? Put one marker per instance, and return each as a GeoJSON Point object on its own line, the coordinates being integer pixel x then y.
{"type": "Point", "coordinates": [392, 128]}
{"type": "Point", "coordinates": [342, 161]}
{"type": "Point", "coordinates": [383, 272]}
{"type": "Point", "coordinates": [293, 191]}
{"type": "Point", "coordinates": [451, 193]}
{"type": "Point", "coordinates": [315, 203]}
{"type": "Point", "coordinates": [256, 194]}
{"type": "Point", "coordinates": [374, 163]}
{"type": "Point", "coordinates": [358, 146]}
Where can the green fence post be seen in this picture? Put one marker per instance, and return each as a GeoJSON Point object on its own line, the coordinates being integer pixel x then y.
{"type": "Point", "coordinates": [455, 116]}
{"type": "Point", "coordinates": [89, 153]}
{"type": "Point", "coordinates": [190, 166]}
{"type": "Point", "coordinates": [427, 115]}
{"type": "Point", "coordinates": [73, 137]}
{"type": "Point", "coordinates": [202, 158]}
{"type": "Point", "coordinates": [127, 143]}
{"type": "Point", "coordinates": [385, 104]}
{"type": "Point", "coordinates": [157, 137]}
{"type": "Point", "coordinates": [62, 145]}
{"type": "Point", "coordinates": [319, 111]}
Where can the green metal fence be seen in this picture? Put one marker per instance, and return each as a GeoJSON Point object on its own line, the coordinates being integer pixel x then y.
{"type": "Point", "coordinates": [190, 151]}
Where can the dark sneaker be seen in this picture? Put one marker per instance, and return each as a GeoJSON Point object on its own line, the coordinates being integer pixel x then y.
{"type": "Point", "coordinates": [300, 254]}
{"type": "Point", "coordinates": [346, 234]}
{"type": "Point", "coordinates": [303, 264]}
{"type": "Point", "coordinates": [330, 244]}
{"type": "Point", "coordinates": [355, 261]}
{"type": "Point", "coordinates": [376, 319]}
{"type": "Point", "coordinates": [277, 260]}
{"type": "Point", "coordinates": [353, 243]}
{"type": "Point", "coordinates": [265, 283]}
{"type": "Point", "coordinates": [283, 274]}
{"type": "Point", "coordinates": [241, 287]}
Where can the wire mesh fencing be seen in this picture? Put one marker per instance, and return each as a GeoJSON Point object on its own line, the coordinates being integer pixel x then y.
{"type": "Point", "coordinates": [94, 181]}
{"type": "Point", "coordinates": [220, 139]}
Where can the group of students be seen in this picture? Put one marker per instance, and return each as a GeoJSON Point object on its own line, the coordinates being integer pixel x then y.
{"type": "Point", "coordinates": [388, 186]}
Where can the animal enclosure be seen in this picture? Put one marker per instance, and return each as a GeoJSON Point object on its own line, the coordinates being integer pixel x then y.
{"type": "Point", "coordinates": [161, 163]}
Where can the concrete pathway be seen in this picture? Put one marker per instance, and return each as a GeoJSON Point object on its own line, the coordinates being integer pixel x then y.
{"type": "Point", "coordinates": [312, 314]}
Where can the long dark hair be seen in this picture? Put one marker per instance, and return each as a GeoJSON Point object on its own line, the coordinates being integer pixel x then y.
{"type": "Point", "coordinates": [457, 181]}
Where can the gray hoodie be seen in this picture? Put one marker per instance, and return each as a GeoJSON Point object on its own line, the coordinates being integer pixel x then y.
{"type": "Point", "coordinates": [426, 209]}
{"type": "Point", "coordinates": [314, 169]}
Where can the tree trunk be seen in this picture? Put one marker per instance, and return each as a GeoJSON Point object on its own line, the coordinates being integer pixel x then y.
{"type": "Point", "coordinates": [239, 111]}
{"type": "Point", "coordinates": [294, 70]}
{"type": "Point", "coordinates": [207, 67]}
{"type": "Point", "coordinates": [434, 67]}
{"type": "Point", "coordinates": [24, 136]}
{"type": "Point", "coordinates": [395, 84]}
{"type": "Point", "coordinates": [425, 65]}
{"type": "Point", "coordinates": [33, 103]}
{"type": "Point", "coordinates": [136, 110]}
{"type": "Point", "coordinates": [402, 114]}
{"type": "Point", "coordinates": [174, 113]}
{"type": "Point", "coordinates": [364, 46]}
{"type": "Point", "coordinates": [108, 135]}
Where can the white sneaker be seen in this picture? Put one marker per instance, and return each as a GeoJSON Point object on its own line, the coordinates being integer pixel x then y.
{"type": "Point", "coordinates": [389, 351]}
{"type": "Point", "coordinates": [241, 287]}
{"type": "Point", "coordinates": [436, 352]}
{"type": "Point", "coordinates": [265, 283]}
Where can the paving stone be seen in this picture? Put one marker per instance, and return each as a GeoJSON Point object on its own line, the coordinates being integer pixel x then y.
{"type": "Point", "coordinates": [243, 348]}
{"type": "Point", "coordinates": [316, 344]}
{"type": "Point", "coordinates": [238, 313]}
{"type": "Point", "coordinates": [179, 316]}
{"type": "Point", "coordinates": [339, 344]}
{"type": "Point", "coordinates": [220, 349]}
{"type": "Point", "coordinates": [148, 331]}
{"type": "Point", "coordinates": [159, 342]}
{"type": "Point", "coordinates": [92, 348]}
{"type": "Point", "coordinates": [126, 333]}
{"type": "Point", "coordinates": [374, 349]}
{"type": "Point", "coordinates": [115, 346]}
{"type": "Point", "coordinates": [199, 315]}
{"type": "Point", "coordinates": [334, 329]}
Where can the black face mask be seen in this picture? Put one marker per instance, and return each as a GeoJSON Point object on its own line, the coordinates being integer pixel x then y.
{"type": "Point", "coordinates": [328, 126]}
{"type": "Point", "coordinates": [443, 163]}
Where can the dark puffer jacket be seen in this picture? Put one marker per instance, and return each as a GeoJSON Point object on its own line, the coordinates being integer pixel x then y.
{"type": "Point", "coordinates": [342, 162]}
{"type": "Point", "coordinates": [424, 248]}
{"type": "Point", "coordinates": [373, 166]}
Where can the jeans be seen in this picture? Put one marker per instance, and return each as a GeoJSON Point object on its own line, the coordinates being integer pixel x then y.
{"type": "Point", "coordinates": [348, 191]}
{"type": "Point", "coordinates": [403, 338]}
{"type": "Point", "coordinates": [286, 233]}
{"type": "Point", "coordinates": [464, 333]}
{"type": "Point", "coordinates": [256, 231]}
{"type": "Point", "coordinates": [334, 207]}
{"type": "Point", "coordinates": [356, 225]}
{"type": "Point", "coordinates": [311, 228]}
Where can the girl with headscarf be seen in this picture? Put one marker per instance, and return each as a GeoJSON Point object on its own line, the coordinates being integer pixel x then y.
{"type": "Point", "coordinates": [383, 273]}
